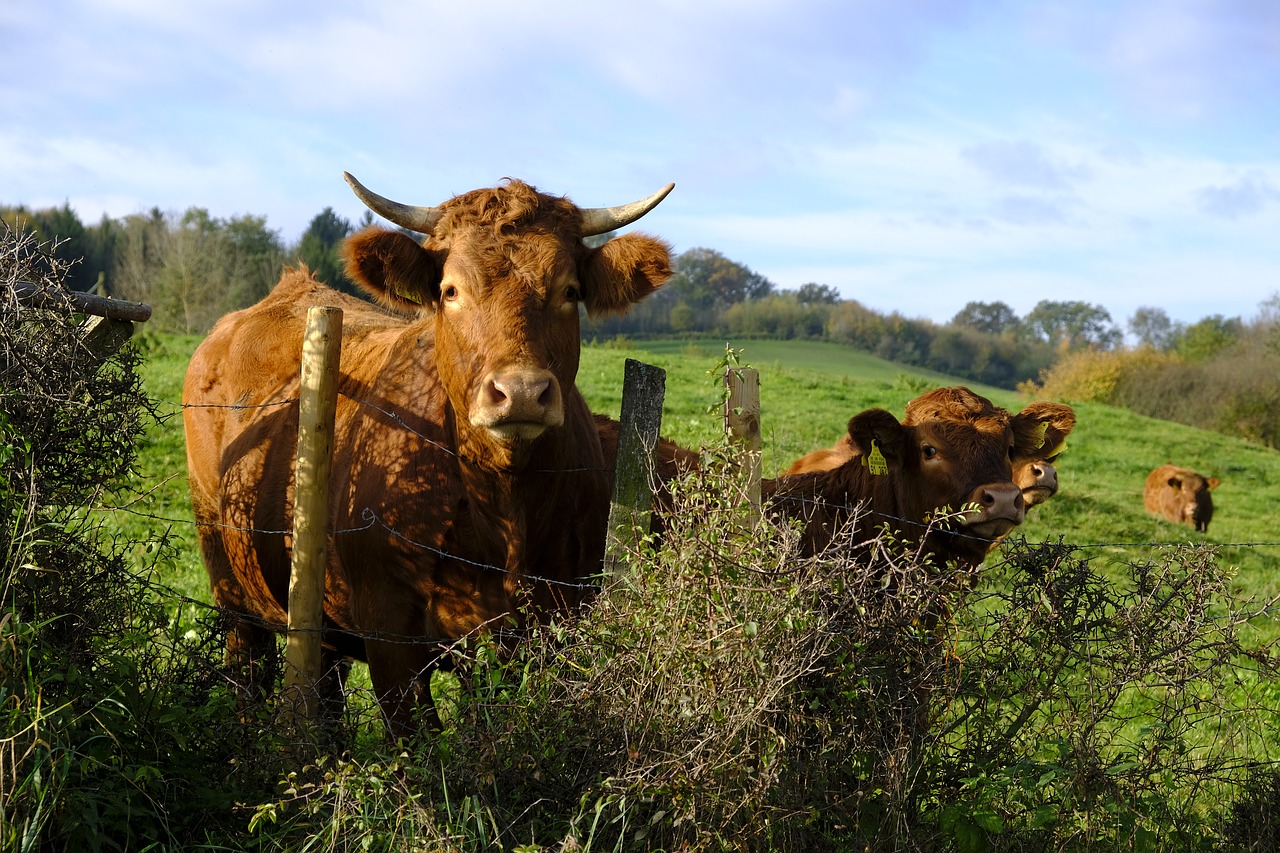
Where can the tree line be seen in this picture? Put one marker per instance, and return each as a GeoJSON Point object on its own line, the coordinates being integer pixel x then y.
{"type": "Point", "coordinates": [1220, 374]}
{"type": "Point", "coordinates": [192, 268]}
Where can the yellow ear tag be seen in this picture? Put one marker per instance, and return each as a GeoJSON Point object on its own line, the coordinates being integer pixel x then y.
{"type": "Point", "coordinates": [398, 289]}
{"type": "Point", "coordinates": [875, 461]}
{"type": "Point", "coordinates": [1040, 431]}
{"type": "Point", "coordinates": [1062, 445]}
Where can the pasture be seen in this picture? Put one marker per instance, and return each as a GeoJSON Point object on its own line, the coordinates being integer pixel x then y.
{"type": "Point", "coordinates": [808, 393]}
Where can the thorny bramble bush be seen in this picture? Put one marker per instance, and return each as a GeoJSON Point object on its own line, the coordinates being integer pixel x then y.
{"type": "Point", "coordinates": [108, 721]}
{"type": "Point", "coordinates": [724, 693]}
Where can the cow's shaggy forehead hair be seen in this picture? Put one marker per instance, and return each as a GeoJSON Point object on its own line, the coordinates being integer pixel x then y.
{"type": "Point", "coordinates": [510, 208]}
{"type": "Point", "coordinates": [962, 434]}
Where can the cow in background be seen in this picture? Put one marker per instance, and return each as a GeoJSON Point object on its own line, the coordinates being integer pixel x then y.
{"type": "Point", "coordinates": [901, 476]}
{"type": "Point", "coordinates": [919, 470]}
{"type": "Point", "coordinates": [1180, 495]}
{"type": "Point", "coordinates": [1046, 426]}
{"type": "Point", "coordinates": [468, 485]}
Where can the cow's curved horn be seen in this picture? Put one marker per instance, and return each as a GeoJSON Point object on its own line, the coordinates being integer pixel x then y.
{"type": "Point", "coordinates": [598, 220]}
{"type": "Point", "coordinates": [419, 219]}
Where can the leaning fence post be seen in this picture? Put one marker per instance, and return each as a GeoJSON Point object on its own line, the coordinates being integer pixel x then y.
{"type": "Point", "coordinates": [742, 422]}
{"type": "Point", "coordinates": [644, 388]}
{"type": "Point", "coordinates": [317, 404]}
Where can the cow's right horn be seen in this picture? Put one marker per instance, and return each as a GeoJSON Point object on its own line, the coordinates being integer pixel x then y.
{"type": "Point", "coordinates": [598, 220]}
{"type": "Point", "coordinates": [419, 219]}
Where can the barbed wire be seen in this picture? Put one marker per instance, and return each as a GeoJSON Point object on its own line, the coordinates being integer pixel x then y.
{"type": "Point", "coordinates": [448, 644]}
{"type": "Point", "coordinates": [371, 519]}
{"type": "Point", "coordinates": [393, 416]}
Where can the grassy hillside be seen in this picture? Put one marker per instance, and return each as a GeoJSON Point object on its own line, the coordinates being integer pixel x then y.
{"type": "Point", "coordinates": [808, 393]}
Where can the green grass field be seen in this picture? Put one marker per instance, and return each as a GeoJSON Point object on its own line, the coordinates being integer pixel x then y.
{"type": "Point", "coordinates": [808, 392]}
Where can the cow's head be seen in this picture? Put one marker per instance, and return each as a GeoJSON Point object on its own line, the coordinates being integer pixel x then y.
{"type": "Point", "coordinates": [1195, 504]}
{"type": "Point", "coordinates": [1041, 431]}
{"type": "Point", "coordinates": [937, 465]}
{"type": "Point", "coordinates": [504, 272]}
{"type": "Point", "coordinates": [1042, 428]}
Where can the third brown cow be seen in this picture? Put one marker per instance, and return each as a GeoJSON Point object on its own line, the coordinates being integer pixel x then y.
{"type": "Point", "coordinates": [1180, 495]}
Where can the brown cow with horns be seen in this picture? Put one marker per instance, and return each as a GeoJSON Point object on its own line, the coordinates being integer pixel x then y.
{"type": "Point", "coordinates": [467, 477]}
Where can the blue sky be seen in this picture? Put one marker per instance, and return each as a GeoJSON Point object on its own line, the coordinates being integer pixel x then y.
{"type": "Point", "coordinates": [915, 154]}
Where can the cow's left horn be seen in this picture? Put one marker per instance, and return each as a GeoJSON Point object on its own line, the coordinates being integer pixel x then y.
{"type": "Point", "coordinates": [598, 220]}
{"type": "Point", "coordinates": [420, 219]}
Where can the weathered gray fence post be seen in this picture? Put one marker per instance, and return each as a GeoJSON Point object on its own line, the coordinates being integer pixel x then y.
{"type": "Point", "coordinates": [109, 324]}
{"type": "Point", "coordinates": [644, 388]}
{"type": "Point", "coordinates": [742, 423]}
{"type": "Point", "coordinates": [317, 404]}
{"type": "Point", "coordinates": [102, 336]}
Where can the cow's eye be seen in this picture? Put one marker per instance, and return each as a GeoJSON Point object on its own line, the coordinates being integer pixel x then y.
{"type": "Point", "coordinates": [449, 293]}
{"type": "Point", "coordinates": [929, 451]}
{"type": "Point", "coordinates": [572, 294]}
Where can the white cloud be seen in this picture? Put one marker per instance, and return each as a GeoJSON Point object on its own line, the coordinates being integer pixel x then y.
{"type": "Point", "coordinates": [1247, 196]}
{"type": "Point", "coordinates": [1023, 163]}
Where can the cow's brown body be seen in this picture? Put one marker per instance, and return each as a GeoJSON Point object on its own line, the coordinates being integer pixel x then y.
{"type": "Point", "coordinates": [1033, 466]}
{"type": "Point", "coordinates": [467, 476]}
{"type": "Point", "coordinates": [1180, 495]}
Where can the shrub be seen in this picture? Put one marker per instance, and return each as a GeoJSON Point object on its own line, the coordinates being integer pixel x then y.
{"type": "Point", "coordinates": [723, 693]}
{"type": "Point", "coordinates": [109, 720]}
{"type": "Point", "coordinates": [1098, 376]}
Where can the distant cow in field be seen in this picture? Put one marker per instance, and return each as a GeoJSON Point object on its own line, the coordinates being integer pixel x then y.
{"type": "Point", "coordinates": [1180, 495]}
{"type": "Point", "coordinates": [1046, 426]}
{"type": "Point", "coordinates": [468, 487]}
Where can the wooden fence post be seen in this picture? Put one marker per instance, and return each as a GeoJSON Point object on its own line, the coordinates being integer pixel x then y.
{"type": "Point", "coordinates": [644, 388]}
{"type": "Point", "coordinates": [317, 404]}
{"type": "Point", "coordinates": [742, 423]}
{"type": "Point", "coordinates": [102, 336]}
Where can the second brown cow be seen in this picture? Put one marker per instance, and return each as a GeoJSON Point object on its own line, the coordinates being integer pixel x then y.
{"type": "Point", "coordinates": [897, 474]}
{"type": "Point", "coordinates": [1045, 427]}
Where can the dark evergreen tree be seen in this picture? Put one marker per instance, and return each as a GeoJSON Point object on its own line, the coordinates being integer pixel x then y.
{"type": "Point", "coordinates": [320, 250]}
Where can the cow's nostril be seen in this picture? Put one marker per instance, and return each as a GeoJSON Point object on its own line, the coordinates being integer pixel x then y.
{"type": "Point", "coordinates": [547, 397]}
{"type": "Point", "coordinates": [494, 394]}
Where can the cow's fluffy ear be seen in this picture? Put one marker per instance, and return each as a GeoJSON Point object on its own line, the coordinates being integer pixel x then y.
{"type": "Point", "coordinates": [881, 427]}
{"type": "Point", "coordinates": [623, 271]}
{"type": "Point", "coordinates": [394, 269]}
{"type": "Point", "coordinates": [1213, 482]}
{"type": "Point", "coordinates": [1041, 429]}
